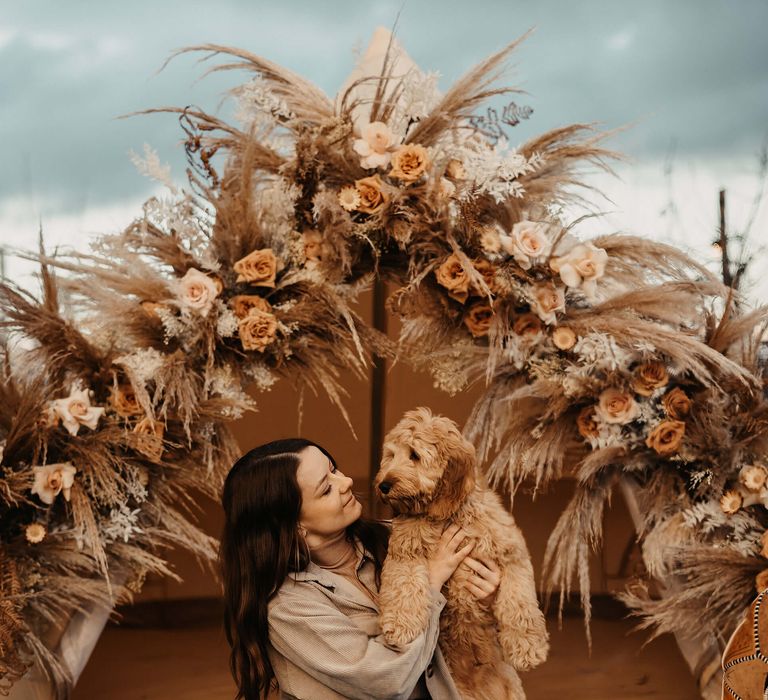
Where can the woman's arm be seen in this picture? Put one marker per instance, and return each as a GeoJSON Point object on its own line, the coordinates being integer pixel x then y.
{"type": "Point", "coordinates": [316, 636]}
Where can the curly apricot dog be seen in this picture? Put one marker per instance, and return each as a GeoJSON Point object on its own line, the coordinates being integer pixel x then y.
{"type": "Point", "coordinates": [428, 476]}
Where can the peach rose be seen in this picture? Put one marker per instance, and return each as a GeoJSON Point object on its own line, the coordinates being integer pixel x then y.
{"type": "Point", "coordinates": [124, 401]}
{"type": "Point", "coordinates": [730, 502]}
{"type": "Point", "coordinates": [764, 544]}
{"type": "Point", "coordinates": [196, 291]}
{"type": "Point", "coordinates": [377, 139]}
{"type": "Point", "coordinates": [451, 275]}
{"type": "Point", "coordinates": [258, 267]}
{"type": "Point", "coordinates": [676, 403]}
{"type": "Point", "coordinates": [586, 422]}
{"type": "Point", "coordinates": [349, 198]}
{"type": "Point", "coordinates": [372, 196]}
{"type": "Point", "coordinates": [478, 319]}
{"type": "Point", "coordinates": [76, 410]}
{"type": "Point", "coordinates": [455, 169]}
{"type": "Point", "coordinates": [154, 430]}
{"type": "Point", "coordinates": [488, 271]}
{"type": "Point", "coordinates": [666, 437]}
{"type": "Point", "coordinates": [528, 242]}
{"type": "Point", "coordinates": [527, 324]}
{"type": "Point", "coordinates": [753, 476]}
{"type": "Point", "coordinates": [53, 479]}
{"type": "Point", "coordinates": [409, 162]}
{"type": "Point", "coordinates": [650, 376]}
{"type": "Point", "coordinates": [242, 304]}
{"type": "Point", "coordinates": [761, 581]}
{"type": "Point", "coordinates": [35, 532]}
{"type": "Point", "coordinates": [581, 267]}
{"type": "Point", "coordinates": [617, 406]}
{"type": "Point", "coordinates": [547, 301]}
{"type": "Point", "coordinates": [563, 338]}
{"type": "Point", "coordinates": [257, 330]}
{"type": "Point", "coordinates": [313, 245]}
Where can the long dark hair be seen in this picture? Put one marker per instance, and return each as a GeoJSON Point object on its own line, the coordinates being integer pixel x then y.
{"type": "Point", "coordinates": [260, 546]}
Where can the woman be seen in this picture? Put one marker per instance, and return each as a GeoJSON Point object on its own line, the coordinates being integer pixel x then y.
{"type": "Point", "coordinates": [301, 572]}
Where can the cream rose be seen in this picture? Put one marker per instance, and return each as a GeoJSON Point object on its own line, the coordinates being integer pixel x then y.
{"type": "Point", "coordinates": [478, 319]}
{"type": "Point", "coordinates": [617, 406]}
{"type": "Point", "coordinates": [753, 476]}
{"type": "Point", "coordinates": [257, 330]}
{"type": "Point", "coordinates": [451, 275]}
{"type": "Point", "coordinates": [242, 304]}
{"type": "Point", "coordinates": [666, 437]}
{"type": "Point", "coordinates": [409, 162]}
{"type": "Point", "coordinates": [76, 410]}
{"type": "Point", "coordinates": [547, 301]}
{"type": "Point", "coordinates": [676, 403]}
{"type": "Point", "coordinates": [528, 242]}
{"type": "Point", "coordinates": [196, 291]}
{"type": "Point", "coordinates": [258, 268]}
{"type": "Point", "coordinates": [313, 245]}
{"type": "Point", "coordinates": [53, 479]}
{"type": "Point", "coordinates": [374, 146]}
{"type": "Point", "coordinates": [650, 376]}
{"type": "Point", "coordinates": [730, 502]}
{"type": "Point", "coordinates": [581, 267]}
{"type": "Point", "coordinates": [35, 532]}
{"type": "Point", "coordinates": [371, 193]}
{"type": "Point", "coordinates": [563, 338]}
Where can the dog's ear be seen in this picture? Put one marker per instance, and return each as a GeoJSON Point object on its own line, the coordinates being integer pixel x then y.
{"type": "Point", "coordinates": [458, 479]}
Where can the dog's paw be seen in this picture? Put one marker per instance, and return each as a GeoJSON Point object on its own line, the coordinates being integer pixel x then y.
{"type": "Point", "coordinates": [526, 648]}
{"type": "Point", "coordinates": [398, 635]}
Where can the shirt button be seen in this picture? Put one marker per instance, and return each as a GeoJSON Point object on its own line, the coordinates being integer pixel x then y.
{"type": "Point", "coordinates": [430, 671]}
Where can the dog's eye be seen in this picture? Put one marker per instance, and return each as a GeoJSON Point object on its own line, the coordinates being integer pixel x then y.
{"type": "Point", "coordinates": [414, 456]}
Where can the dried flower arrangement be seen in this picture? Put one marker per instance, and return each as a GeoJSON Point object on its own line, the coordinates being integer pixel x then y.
{"type": "Point", "coordinates": [618, 358]}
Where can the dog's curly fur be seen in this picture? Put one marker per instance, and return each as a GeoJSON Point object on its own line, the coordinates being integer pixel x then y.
{"type": "Point", "coordinates": [431, 481]}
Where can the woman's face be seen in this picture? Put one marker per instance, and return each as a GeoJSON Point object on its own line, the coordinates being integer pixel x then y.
{"type": "Point", "coordinates": [327, 502]}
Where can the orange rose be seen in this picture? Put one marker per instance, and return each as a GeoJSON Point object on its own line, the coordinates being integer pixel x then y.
{"type": "Point", "coordinates": [676, 403]}
{"type": "Point", "coordinates": [257, 330]}
{"type": "Point", "coordinates": [151, 433]}
{"type": "Point", "coordinates": [258, 267]}
{"type": "Point", "coordinates": [372, 196]}
{"type": "Point", "coordinates": [730, 502]}
{"type": "Point", "coordinates": [649, 377]}
{"type": "Point", "coordinates": [488, 271]}
{"type": "Point", "coordinates": [451, 275]}
{"type": "Point", "coordinates": [527, 324]}
{"type": "Point", "coordinates": [243, 303]}
{"type": "Point", "coordinates": [563, 338]}
{"type": "Point", "coordinates": [478, 319]}
{"type": "Point", "coordinates": [666, 437]}
{"type": "Point", "coordinates": [409, 162]}
{"type": "Point", "coordinates": [124, 401]}
{"type": "Point", "coordinates": [617, 406]}
{"type": "Point", "coordinates": [586, 422]}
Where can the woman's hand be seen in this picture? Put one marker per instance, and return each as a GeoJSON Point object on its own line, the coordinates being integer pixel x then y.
{"type": "Point", "coordinates": [484, 581]}
{"type": "Point", "coordinates": [447, 556]}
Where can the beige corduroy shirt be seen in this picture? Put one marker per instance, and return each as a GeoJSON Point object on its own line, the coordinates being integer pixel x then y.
{"type": "Point", "coordinates": [325, 643]}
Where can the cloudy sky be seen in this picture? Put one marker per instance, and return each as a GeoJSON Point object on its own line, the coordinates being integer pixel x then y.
{"type": "Point", "coordinates": [690, 76]}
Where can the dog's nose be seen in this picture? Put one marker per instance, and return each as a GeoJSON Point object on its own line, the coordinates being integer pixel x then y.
{"type": "Point", "coordinates": [385, 486]}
